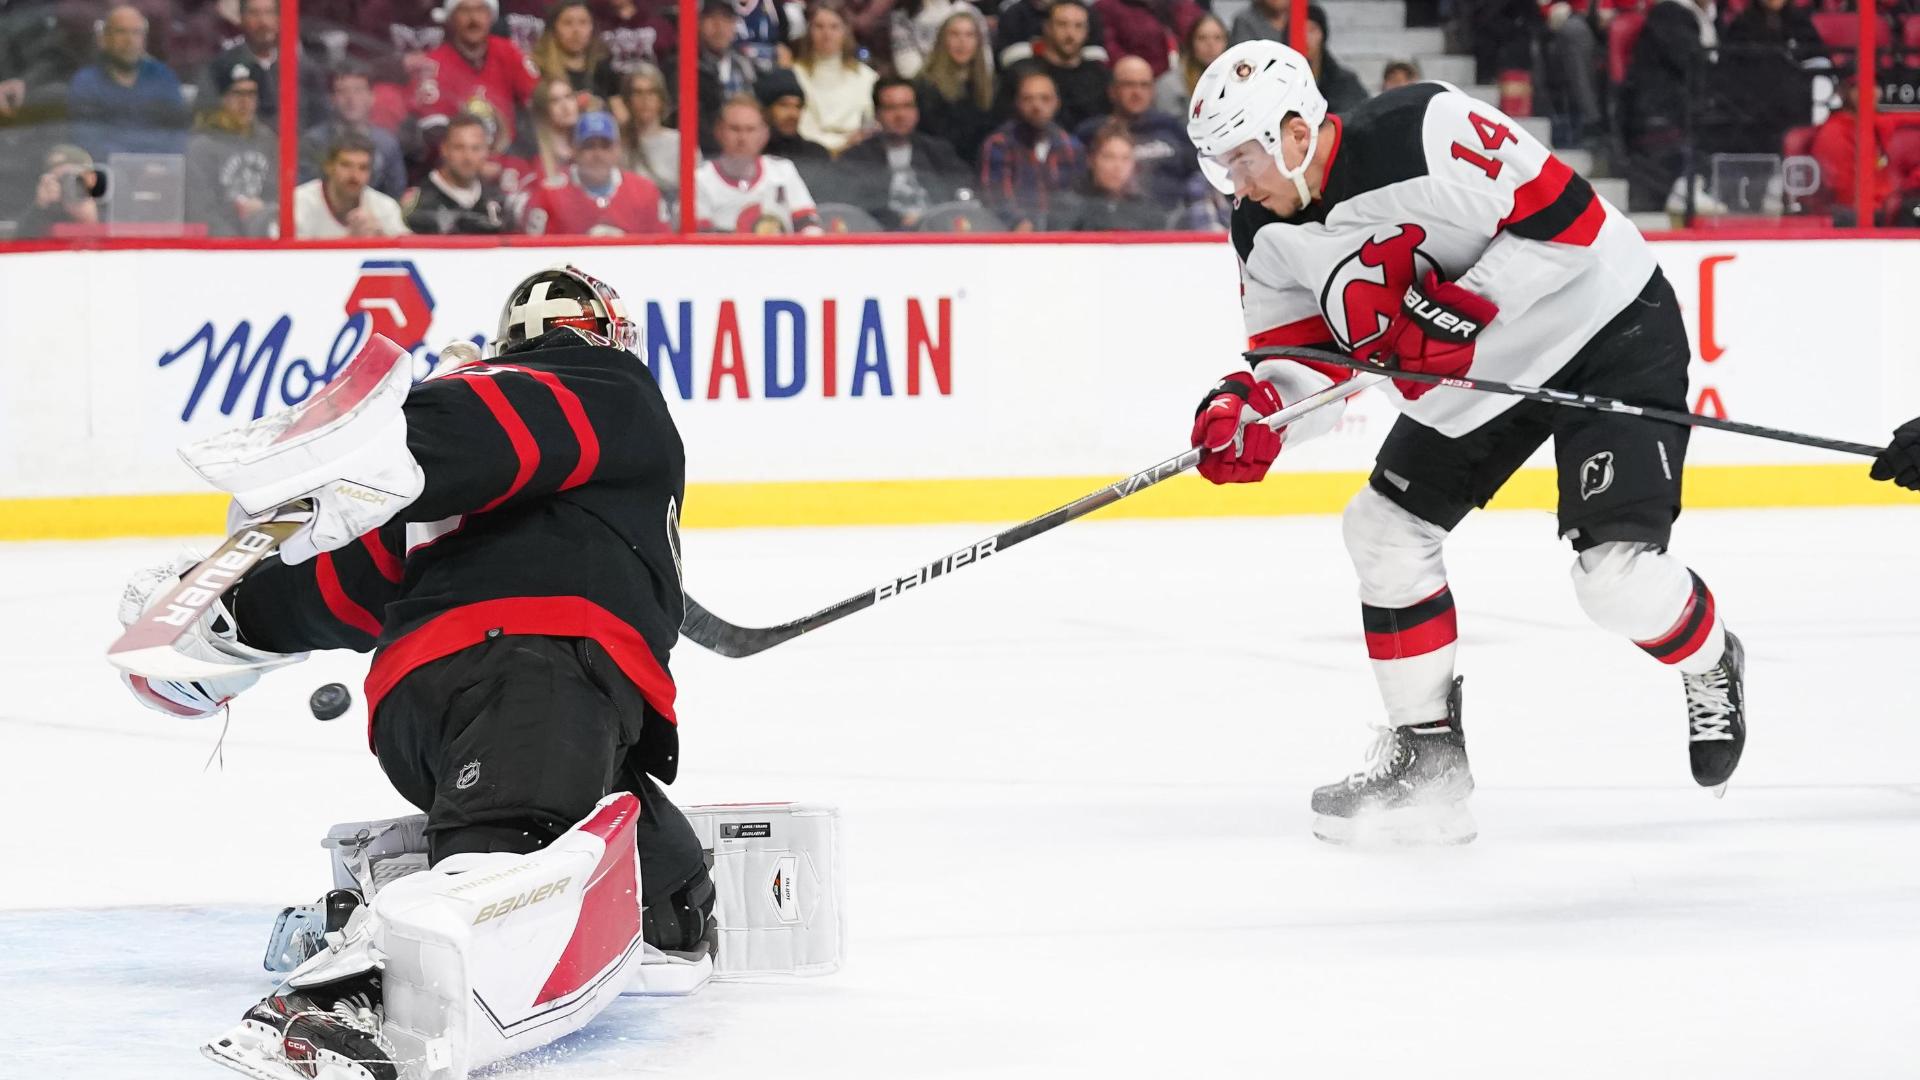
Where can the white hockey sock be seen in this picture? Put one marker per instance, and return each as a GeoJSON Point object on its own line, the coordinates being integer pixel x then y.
{"type": "Point", "coordinates": [1405, 606]}
{"type": "Point", "coordinates": [1653, 600]}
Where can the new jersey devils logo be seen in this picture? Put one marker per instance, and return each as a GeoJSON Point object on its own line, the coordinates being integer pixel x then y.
{"type": "Point", "coordinates": [1363, 293]}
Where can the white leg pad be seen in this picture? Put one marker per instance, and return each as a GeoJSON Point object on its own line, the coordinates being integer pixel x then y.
{"type": "Point", "coordinates": [777, 883]}
{"type": "Point", "coordinates": [1639, 592]}
{"type": "Point", "coordinates": [1396, 554]}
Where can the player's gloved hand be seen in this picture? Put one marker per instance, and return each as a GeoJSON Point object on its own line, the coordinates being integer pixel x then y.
{"type": "Point", "coordinates": [1433, 332]}
{"type": "Point", "coordinates": [213, 638]}
{"type": "Point", "coordinates": [1900, 461]}
{"type": "Point", "coordinates": [1237, 450]}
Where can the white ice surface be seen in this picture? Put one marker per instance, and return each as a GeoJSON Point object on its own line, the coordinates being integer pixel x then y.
{"type": "Point", "coordinates": [1074, 785]}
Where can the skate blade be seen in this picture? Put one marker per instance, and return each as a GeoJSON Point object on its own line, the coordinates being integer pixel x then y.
{"type": "Point", "coordinates": [253, 1051]}
{"type": "Point", "coordinates": [1448, 824]}
{"type": "Point", "coordinates": [1719, 790]}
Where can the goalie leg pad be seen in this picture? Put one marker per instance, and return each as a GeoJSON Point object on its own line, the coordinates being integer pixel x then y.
{"type": "Point", "coordinates": [777, 882]}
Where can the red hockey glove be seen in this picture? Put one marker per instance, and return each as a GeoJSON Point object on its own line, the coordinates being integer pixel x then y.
{"type": "Point", "coordinates": [1433, 332]}
{"type": "Point", "coordinates": [1236, 454]}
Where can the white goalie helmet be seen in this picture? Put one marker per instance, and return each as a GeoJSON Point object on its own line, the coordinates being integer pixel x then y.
{"type": "Point", "coordinates": [1246, 94]}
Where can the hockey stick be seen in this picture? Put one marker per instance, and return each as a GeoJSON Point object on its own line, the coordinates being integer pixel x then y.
{"type": "Point", "coordinates": [709, 631]}
{"type": "Point", "coordinates": [1564, 397]}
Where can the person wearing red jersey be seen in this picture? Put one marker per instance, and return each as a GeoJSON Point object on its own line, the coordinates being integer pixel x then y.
{"type": "Point", "coordinates": [504, 537]}
{"type": "Point", "coordinates": [596, 197]}
{"type": "Point", "coordinates": [1428, 232]}
{"type": "Point", "coordinates": [474, 72]}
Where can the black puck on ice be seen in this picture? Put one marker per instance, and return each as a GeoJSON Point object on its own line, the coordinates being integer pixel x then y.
{"type": "Point", "coordinates": [330, 701]}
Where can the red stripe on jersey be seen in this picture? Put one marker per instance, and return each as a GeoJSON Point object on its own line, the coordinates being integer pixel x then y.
{"type": "Point", "coordinates": [385, 561]}
{"type": "Point", "coordinates": [1312, 330]}
{"type": "Point", "coordinates": [344, 607]}
{"type": "Point", "coordinates": [609, 918]}
{"type": "Point", "coordinates": [1539, 193]}
{"type": "Point", "coordinates": [576, 415]}
{"type": "Point", "coordinates": [1585, 228]}
{"type": "Point", "coordinates": [1436, 633]}
{"type": "Point", "coordinates": [524, 446]}
{"type": "Point", "coordinates": [549, 616]}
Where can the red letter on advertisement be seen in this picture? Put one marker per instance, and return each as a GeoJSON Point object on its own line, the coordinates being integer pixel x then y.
{"type": "Point", "coordinates": [1710, 349]}
{"type": "Point", "coordinates": [728, 363]}
{"type": "Point", "coordinates": [829, 348]}
{"type": "Point", "coordinates": [938, 352]}
{"type": "Point", "coordinates": [1709, 404]}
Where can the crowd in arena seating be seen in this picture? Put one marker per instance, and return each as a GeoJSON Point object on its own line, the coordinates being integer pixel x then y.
{"type": "Point", "coordinates": [560, 117]}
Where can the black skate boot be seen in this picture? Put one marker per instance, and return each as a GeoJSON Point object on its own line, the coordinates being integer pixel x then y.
{"type": "Point", "coordinates": [1413, 791]}
{"type": "Point", "coordinates": [1717, 718]}
{"type": "Point", "coordinates": [326, 1032]}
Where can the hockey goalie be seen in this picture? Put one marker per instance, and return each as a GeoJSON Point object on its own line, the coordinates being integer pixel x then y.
{"type": "Point", "coordinates": [504, 537]}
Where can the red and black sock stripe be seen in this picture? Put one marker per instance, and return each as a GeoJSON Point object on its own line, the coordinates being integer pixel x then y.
{"type": "Point", "coordinates": [1397, 633]}
{"type": "Point", "coordinates": [1689, 631]}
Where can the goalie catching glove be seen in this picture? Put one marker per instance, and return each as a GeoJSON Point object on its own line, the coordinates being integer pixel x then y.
{"type": "Point", "coordinates": [1433, 333]}
{"type": "Point", "coordinates": [213, 638]}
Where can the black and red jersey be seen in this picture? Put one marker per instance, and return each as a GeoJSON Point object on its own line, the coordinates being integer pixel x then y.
{"type": "Point", "coordinates": [554, 477]}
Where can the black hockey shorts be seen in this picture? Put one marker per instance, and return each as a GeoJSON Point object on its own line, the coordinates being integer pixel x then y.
{"type": "Point", "coordinates": [1619, 475]}
{"type": "Point", "coordinates": [509, 743]}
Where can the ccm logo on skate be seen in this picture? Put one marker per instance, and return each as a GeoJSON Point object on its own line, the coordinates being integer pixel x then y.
{"type": "Point", "coordinates": [934, 569]}
{"type": "Point", "coordinates": [187, 605]}
{"type": "Point", "coordinates": [1438, 317]}
{"type": "Point", "coordinates": [525, 899]}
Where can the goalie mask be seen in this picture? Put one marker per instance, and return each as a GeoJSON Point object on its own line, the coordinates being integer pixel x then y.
{"type": "Point", "coordinates": [565, 296]}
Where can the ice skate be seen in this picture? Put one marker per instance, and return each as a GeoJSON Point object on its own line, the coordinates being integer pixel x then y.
{"type": "Point", "coordinates": [1717, 718]}
{"type": "Point", "coordinates": [1413, 791]}
{"type": "Point", "coordinates": [326, 1032]}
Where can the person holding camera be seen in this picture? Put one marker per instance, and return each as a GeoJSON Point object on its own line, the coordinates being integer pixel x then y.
{"type": "Point", "coordinates": [64, 194]}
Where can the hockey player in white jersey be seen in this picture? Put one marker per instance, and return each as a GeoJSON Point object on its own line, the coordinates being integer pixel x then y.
{"type": "Point", "coordinates": [1427, 231]}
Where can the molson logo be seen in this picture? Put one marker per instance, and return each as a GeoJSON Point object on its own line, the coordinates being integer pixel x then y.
{"type": "Point", "coordinates": [733, 349]}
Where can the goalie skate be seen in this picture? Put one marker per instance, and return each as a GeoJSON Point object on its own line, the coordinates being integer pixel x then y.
{"type": "Point", "coordinates": [1413, 791]}
{"type": "Point", "coordinates": [323, 1033]}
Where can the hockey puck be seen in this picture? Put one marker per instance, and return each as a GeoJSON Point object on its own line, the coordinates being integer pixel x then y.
{"type": "Point", "coordinates": [330, 701]}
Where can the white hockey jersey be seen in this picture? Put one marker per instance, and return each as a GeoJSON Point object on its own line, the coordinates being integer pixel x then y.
{"type": "Point", "coordinates": [1426, 177]}
{"type": "Point", "coordinates": [772, 200]}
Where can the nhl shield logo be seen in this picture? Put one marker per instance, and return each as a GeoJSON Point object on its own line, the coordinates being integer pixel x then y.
{"type": "Point", "coordinates": [469, 776]}
{"type": "Point", "coordinates": [1596, 474]}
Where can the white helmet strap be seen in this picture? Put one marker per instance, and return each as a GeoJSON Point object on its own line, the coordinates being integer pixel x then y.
{"type": "Point", "coordinates": [1297, 175]}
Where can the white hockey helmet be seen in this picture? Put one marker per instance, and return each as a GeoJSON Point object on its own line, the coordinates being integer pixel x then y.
{"type": "Point", "coordinates": [1246, 94]}
{"type": "Point", "coordinates": [565, 295]}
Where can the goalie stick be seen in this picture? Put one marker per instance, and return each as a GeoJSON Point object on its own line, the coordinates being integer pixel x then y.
{"type": "Point", "coordinates": [709, 631]}
{"type": "Point", "coordinates": [147, 646]}
{"type": "Point", "coordinates": [1568, 398]}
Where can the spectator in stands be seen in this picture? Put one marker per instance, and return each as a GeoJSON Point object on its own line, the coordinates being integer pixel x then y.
{"type": "Point", "coordinates": [956, 88]}
{"type": "Point", "coordinates": [1503, 34]}
{"type": "Point", "coordinates": [1030, 161]}
{"type": "Point", "coordinates": [762, 30]}
{"type": "Point", "coordinates": [741, 190]}
{"type": "Point", "coordinates": [726, 71]}
{"type": "Point", "coordinates": [1107, 199]}
{"type": "Point", "coordinates": [1670, 59]}
{"type": "Point", "coordinates": [66, 194]}
{"type": "Point", "coordinates": [651, 148]}
{"type": "Point", "coordinates": [233, 161]}
{"type": "Point", "coordinates": [127, 101]}
{"type": "Point", "coordinates": [522, 22]}
{"type": "Point", "coordinates": [1023, 21]}
{"type": "Point", "coordinates": [339, 203]}
{"type": "Point", "coordinates": [1760, 78]}
{"type": "Point", "coordinates": [1262, 20]}
{"type": "Point", "coordinates": [1205, 40]}
{"type": "Point", "coordinates": [1157, 144]}
{"type": "Point", "coordinates": [352, 107]}
{"type": "Point", "coordinates": [1148, 29]}
{"type": "Point", "coordinates": [915, 27]}
{"type": "Point", "coordinates": [900, 172]}
{"type": "Point", "coordinates": [556, 113]}
{"type": "Point", "coordinates": [838, 87]}
{"type": "Point", "coordinates": [596, 197]}
{"type": "Point", "coordinates": [636, 33]}
{"type": "Point", "coordinates": [568, 50]}
{"type": "Point", "coordinates": [1399, 73]}
{"type": "Point", "coordinates": [1835, 148]}
{"type": "Point", "coordinates": [785, 105]}
{"type": "Point", "coordinates": [38, 58]}
{"type": "Point", "coordinates": [455, 197]}
{"type": "Point", "coordinates": [1570, 59]}
{"type": "Point", "coordinates": [260, 46]}
{"type": "Point", "coordinates": [474, 72]}
{"type": "Point", "coordinates": [1080, 81]}
{"type": "Point", "coordinates": [1339, 85]}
